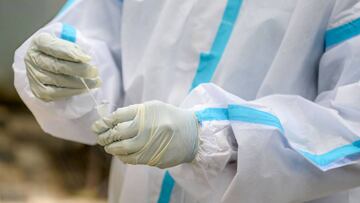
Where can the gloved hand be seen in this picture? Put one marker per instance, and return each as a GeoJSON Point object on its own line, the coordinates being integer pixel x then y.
{"type": "Point", "coordinates": [152, 133]}
{"type": "Point", "coordinates": [55, 68]}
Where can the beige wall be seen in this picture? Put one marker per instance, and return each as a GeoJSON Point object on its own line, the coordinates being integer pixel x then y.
{"type": "Point", "coordinates": [18, 20]}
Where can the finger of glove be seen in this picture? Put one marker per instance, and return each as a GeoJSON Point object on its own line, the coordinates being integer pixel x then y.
{"type": "Point", "coordinates": [121, 131]}
{"type": "Point", "coordinates": [58, 66]}
{"type": "Point", "coordinates": [129, 159]}
{"type": "Point", "coordinates": [128, 146]}
{"type": "Point", "coordinates": [61, 80]}
{"type": "Point", "coordinates": [60, 48]}
{"type": "Point", "coordinates": [120, 115]}
{"type": "Point", "coordinates": [50, 93]}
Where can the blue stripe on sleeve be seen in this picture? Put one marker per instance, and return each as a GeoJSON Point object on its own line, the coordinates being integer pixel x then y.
{"type": "Point", "coordinates": [210, 114]}
{"type": "Point", "coordinates": [342, 33]}
{"type": "Point", "coordinates": [333, 155]}
{"type": "Point", "coordinates": [251, 115]}
{"type": "Point", "coordinates": [68, 33]}
{"type": "Point", "coordinates": [239, 113]}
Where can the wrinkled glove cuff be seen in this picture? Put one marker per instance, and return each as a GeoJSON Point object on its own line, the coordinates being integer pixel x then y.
{"type": "Point", "coordinates": [214, 151]}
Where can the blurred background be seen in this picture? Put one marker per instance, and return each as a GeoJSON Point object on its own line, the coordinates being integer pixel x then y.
{"type": "Point", "coordinates": [35, 167]}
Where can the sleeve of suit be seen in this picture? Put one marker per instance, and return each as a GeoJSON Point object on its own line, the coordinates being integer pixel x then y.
{"type": "Point", "coordinates": [90, 24]}
{"type": "Point", "coordinates": [287, 148]}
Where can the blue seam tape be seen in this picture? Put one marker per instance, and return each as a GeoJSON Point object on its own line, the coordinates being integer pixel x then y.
{"type": "Point", "coordinates": [333, 155]}
{"type": "Point", "coordinates": [68, 33]}
{"type": "Point", "coordinates": [251, 115]}
{"type": "Point", "coordinates": [210, 114]}
{"type": "Point", "coordinates": [239, 113]}
{"type": "Point", "coordinates": [342, 33]}
{"type": "Point", "coordinates": [166, 188]}
{"type": "Point", "coordinates": [67, 5]}
{"type": "Point", "coordinates": [209, 61]}
{"type": "Point", "coordinates": [206, 68]}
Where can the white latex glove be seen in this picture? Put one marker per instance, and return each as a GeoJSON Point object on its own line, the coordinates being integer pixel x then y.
{"type": "Point", "coordinates": [55, 68]}
{"type": "Point", "coordinates": [152, 133]}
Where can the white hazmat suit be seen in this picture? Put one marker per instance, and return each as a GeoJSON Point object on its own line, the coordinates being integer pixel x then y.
{"type": "Point", "coordinates": [280, 116]}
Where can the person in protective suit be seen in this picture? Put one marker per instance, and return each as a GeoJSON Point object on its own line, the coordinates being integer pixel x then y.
{"type": "Point", "coordinates": [211, 101]}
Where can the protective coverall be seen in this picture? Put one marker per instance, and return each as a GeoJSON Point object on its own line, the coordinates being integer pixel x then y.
{"type": "Point", "coordinates": [275, 86]}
